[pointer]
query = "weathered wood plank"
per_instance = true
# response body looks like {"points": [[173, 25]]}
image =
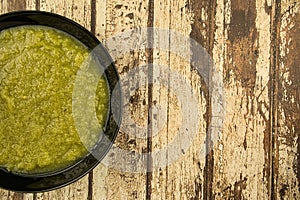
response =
{"points": [[204, 31], [79, 11], [183, 177], [5, 7], [117, 178], [7, 195], [157, 188], [31, 4], [287, 140], [242, 52], [76, 191]]}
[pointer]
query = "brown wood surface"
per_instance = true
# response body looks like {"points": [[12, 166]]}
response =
{"points": [[254, 48]]}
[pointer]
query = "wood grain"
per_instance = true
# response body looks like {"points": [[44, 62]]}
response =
{"points": [[182, 178], [115, 179], [287, 147], [241, 159], [204, 32]]}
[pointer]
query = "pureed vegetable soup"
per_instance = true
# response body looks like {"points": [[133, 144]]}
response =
{"points": [[39, 66]]}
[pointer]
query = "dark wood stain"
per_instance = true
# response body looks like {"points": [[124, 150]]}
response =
{"points": [[150, 59], [18, 196], [239, 186], [135, 98], [201, 36], [16, 5], [196, 34], [130, 15], [268, 8], [282, 191], [93, 16], [90, 186], [289, 93], [241, 59], [118, 6], [93, 30], [267, 154], [289, 100], [243, 43], [37, 4], [198, 189], [271, 151], [198, 25], [203, 33], [226, 192]]}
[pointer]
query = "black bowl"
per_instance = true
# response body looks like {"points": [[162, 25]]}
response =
{"points": [[57, 179]]}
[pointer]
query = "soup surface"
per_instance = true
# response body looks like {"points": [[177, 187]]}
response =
{"points": [[39, 67]]}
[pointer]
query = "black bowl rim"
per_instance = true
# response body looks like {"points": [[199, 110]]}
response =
{"points": [[32, 179]]}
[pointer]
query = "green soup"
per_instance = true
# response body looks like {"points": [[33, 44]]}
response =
{"points": [[38, 70]]}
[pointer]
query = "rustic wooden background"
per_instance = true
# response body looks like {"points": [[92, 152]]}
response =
{"points": [[254, 46]]}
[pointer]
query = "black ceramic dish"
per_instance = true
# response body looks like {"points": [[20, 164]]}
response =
{"points": [[57, 179]]}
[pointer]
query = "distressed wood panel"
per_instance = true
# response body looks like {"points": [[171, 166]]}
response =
{"points": [[7, 195], [287, 138], [77, 10], [116, 179], [203, 31], [182, 178], [242, 53]]}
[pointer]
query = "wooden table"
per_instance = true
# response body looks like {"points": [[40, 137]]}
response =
{"points": [[254, 47]]}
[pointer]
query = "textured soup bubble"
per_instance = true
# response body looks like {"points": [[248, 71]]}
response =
{"points": [[38, 67]]}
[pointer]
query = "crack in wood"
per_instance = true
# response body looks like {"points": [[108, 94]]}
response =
{"points": [[37, 4], [274, 73], [149, 52]]}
